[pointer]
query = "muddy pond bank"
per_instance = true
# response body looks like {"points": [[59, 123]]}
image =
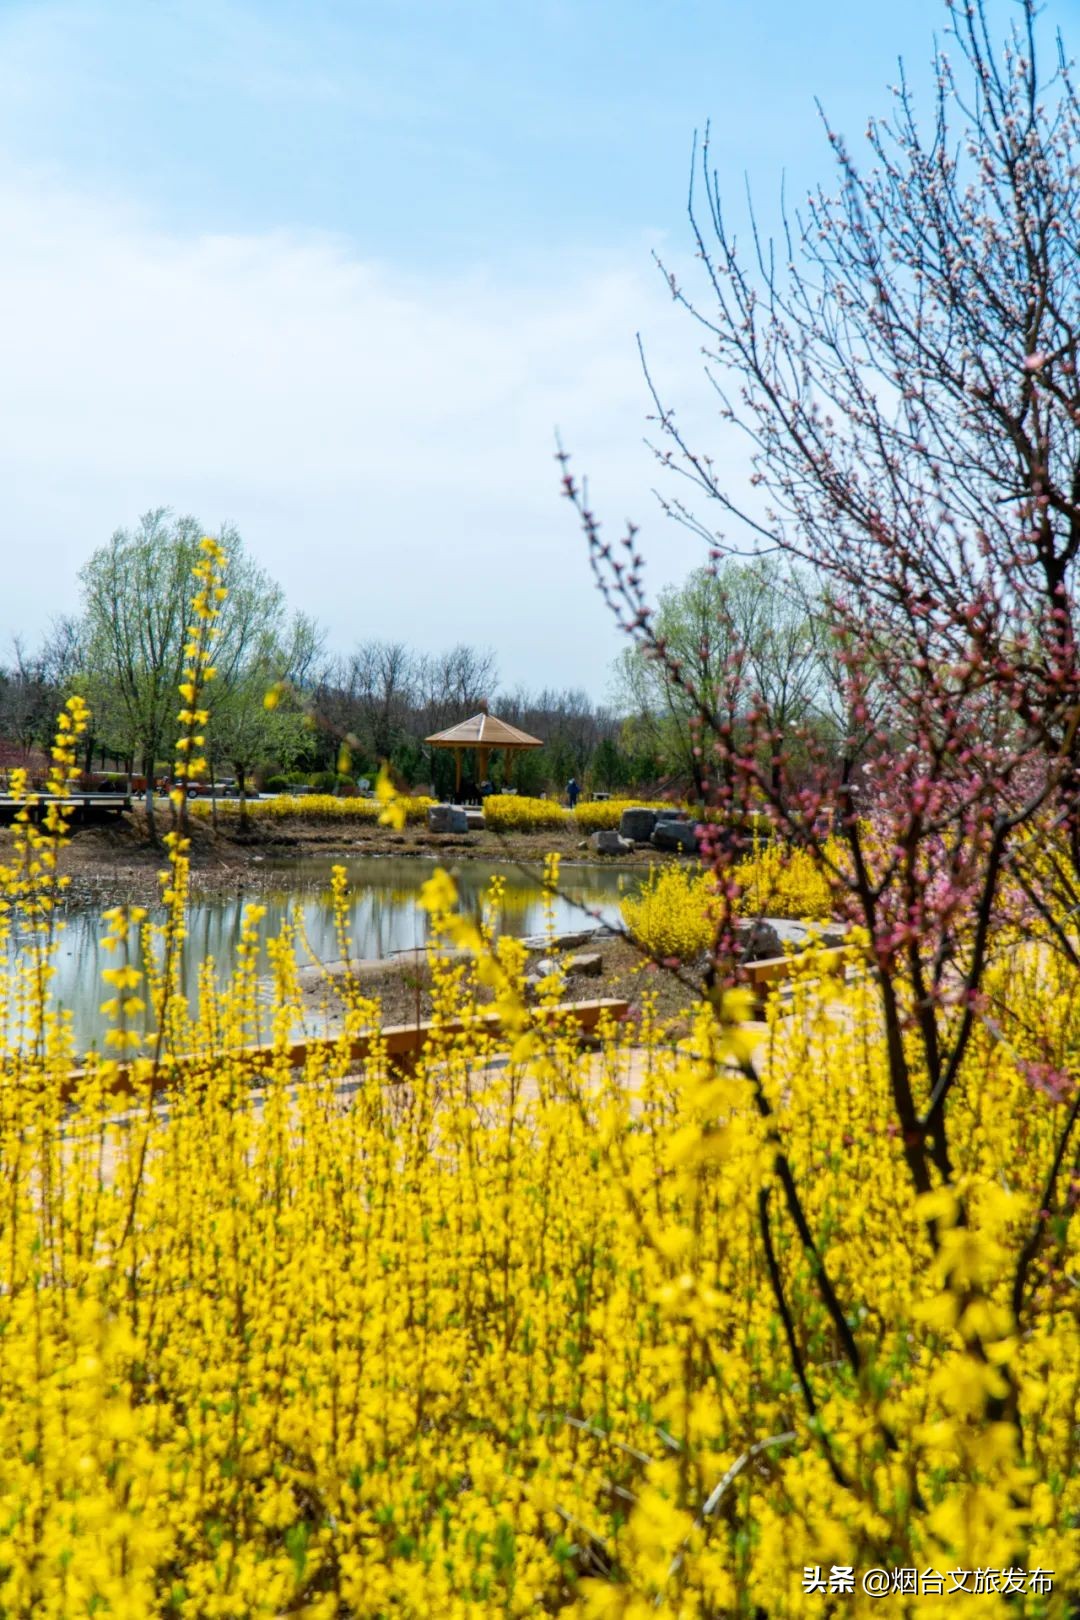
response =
{"points": [[294, 890], [117, 864]]}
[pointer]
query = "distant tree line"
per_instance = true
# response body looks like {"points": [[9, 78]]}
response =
{"points": [[334, 717]]}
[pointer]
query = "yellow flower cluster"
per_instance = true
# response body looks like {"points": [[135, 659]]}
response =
{"points": [[503, 1339], [511, 812], [603, 814], [31, 888], [193, 717], [781, 881], [502, 812], [314, 807], [674, 913], [651, 1324]]}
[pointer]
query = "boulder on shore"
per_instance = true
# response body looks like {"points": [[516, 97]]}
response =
{"points": [[447, 818], [589, 963], [761, 942], [637, 824], [791, 935], [679, 835], [559, 942], [609, 842]]}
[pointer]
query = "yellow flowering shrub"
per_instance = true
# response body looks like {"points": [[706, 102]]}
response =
{"points": [[602, 814], [503, 812], [504, 1339], [652, 1324], [782, 881], [512, 812], [674, 913], [314, 807]]}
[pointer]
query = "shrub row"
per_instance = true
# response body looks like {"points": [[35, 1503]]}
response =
{"points": [[311, 806]]}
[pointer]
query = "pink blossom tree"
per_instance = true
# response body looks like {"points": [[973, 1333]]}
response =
{"points": [[903, 369]]}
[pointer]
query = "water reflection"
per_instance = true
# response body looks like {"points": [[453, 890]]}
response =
{"points": [[384, 917]]}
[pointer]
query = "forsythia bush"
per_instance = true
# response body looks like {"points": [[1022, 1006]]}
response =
{"points": [[505, 813], [782, 881], [512, 813], [504, 1340], [674, 912], [534, 1331], [312, 806], [603, 814]]}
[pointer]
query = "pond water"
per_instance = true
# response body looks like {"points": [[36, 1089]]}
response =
{"points": [[383, 913]]}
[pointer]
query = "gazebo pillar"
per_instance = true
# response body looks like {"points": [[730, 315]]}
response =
{"points": [[482, 763]]}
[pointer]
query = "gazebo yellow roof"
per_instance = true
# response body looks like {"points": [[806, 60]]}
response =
{"points": [[484, 731]]}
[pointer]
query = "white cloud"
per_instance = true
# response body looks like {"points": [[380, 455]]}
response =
{"points": [[383, 442]]}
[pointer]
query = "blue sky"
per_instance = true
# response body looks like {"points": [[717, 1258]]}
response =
{"points": [[336, 271]]}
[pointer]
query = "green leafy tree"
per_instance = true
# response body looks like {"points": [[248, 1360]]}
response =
{"points": [[247, 727], [136, 616], [743, 638], [136, 594]]}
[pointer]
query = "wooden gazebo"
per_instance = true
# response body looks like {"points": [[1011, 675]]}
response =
{"points": [[483, 732]]}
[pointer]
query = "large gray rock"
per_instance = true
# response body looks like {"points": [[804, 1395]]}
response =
{"points": [[637, 824], [589, 963], [559, 942], [675, 835], [610, 843], [475, 819], [761, 942], [414, 957], [447, 818], [790, 935]]}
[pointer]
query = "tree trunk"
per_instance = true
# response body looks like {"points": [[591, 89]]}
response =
{"points": [[148, 772], [241, 788]]}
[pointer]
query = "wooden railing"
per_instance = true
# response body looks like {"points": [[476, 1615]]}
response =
{"points": [[402, 1044]]}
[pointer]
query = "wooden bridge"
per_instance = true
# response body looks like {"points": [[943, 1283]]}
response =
{"points": [[86, 806]]}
